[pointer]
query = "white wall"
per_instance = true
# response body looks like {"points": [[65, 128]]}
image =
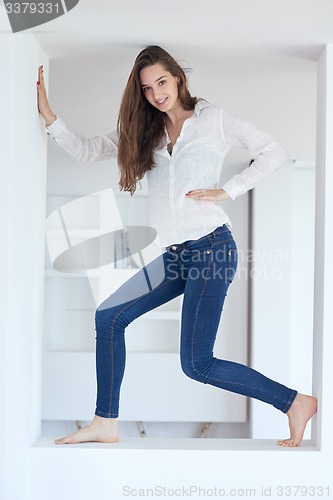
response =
{"points": [[97, 471], [323, 292], [282, 289], [5, 98], [23, 183], [302, 286]]}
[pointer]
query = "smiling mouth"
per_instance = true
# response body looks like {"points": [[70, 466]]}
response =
{"points": [[161, 102]]}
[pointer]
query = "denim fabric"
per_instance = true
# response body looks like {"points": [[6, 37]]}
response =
{"points": [[202, 270]]}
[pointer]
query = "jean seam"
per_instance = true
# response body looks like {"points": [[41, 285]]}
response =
{"points": [[244, 385], [290, 401], [195, 320], [219, 232], [220, 242], [210, 236], [106, 414]]}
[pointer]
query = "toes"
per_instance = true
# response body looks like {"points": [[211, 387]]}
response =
{"points": [[287, 443], [61, 441]]}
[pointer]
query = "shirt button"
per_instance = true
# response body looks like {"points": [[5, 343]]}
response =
{"points": [[208, 251], [174, 247]]}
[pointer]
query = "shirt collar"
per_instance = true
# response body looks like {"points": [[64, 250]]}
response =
{"points": [[199, 106]]}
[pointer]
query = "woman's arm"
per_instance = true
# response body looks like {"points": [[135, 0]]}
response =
{"points": [[82, 148], [267, 153]]}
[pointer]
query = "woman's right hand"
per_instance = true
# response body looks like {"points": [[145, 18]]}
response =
{"points": [[43, 103]]}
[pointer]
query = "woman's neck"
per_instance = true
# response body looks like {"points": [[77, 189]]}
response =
{"points": [[177, 115]]}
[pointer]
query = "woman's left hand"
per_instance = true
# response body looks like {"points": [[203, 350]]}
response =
{"points": [[208, 194]]}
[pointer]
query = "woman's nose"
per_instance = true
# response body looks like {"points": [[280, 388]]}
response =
{"points": [[157, 94]]}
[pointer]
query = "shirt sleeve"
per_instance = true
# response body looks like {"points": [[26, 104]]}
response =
{"points": [[267, 153], [82, 148]]}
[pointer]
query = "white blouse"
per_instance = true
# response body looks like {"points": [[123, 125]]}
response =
{"points": [[196, 163]]}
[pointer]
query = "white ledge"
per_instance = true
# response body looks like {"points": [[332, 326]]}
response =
{"points": [[178, 444]]}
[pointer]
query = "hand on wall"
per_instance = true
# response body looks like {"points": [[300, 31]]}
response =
{"points": [[43, 103]]}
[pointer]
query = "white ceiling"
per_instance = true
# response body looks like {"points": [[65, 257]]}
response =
{"points": [[296, 27]]}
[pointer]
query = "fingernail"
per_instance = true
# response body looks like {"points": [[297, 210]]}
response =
{"points": [[38, 83]]}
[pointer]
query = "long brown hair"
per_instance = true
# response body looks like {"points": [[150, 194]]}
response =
{"points": [[141, 125]]}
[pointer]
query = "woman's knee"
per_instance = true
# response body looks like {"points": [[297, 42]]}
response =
{"points": [[108, 318], [196, 370]]}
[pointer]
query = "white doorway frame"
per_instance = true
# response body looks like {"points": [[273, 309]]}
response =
{"points": [[37, 461]]}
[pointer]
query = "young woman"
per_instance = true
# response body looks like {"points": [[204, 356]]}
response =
{"points": [[180, 142]]}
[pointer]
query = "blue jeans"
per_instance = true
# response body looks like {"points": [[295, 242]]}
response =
{"points": [[202, 270]]}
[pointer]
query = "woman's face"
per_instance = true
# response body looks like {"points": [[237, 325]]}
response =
{"points": [[159, 87]]}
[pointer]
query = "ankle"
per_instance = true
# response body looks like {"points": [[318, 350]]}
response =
{"points": [[104, 420]]}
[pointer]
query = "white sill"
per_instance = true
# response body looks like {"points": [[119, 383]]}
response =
{"points": [[178, 444]]}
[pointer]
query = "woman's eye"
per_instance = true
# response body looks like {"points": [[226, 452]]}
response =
{"points": [[145, 89], [162, 82]]}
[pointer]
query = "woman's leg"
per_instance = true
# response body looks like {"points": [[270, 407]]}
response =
{"points": [[155, 284], [209, 270]]}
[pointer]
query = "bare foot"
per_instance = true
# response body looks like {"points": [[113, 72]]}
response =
{"points": [[100, 430], [300, 412]]}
